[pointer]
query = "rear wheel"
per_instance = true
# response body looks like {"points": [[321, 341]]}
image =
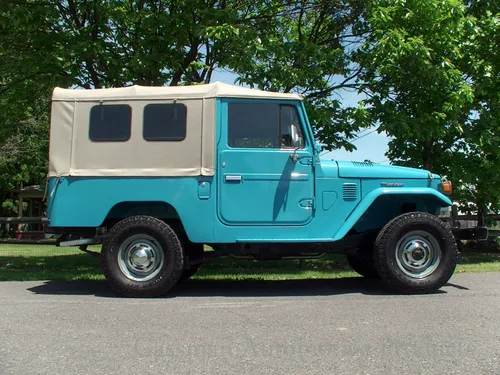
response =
{"points": [[415, 253], [142, 257]]}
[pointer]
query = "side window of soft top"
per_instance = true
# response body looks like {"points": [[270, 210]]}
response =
{"points": [[164, 122], [110, 123]]}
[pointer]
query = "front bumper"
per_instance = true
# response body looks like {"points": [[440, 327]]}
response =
{"points": [[471, 234]]}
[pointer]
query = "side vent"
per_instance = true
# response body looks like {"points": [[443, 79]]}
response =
{"points": [[365, 163], [350, 192]]}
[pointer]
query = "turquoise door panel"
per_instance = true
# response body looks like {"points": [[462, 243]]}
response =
{"points": [[263, 186]]}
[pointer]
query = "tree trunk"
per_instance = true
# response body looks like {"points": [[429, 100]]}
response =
{"points": [[480, 215], [427, 155]]}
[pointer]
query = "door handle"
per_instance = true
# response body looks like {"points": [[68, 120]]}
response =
{"points": [[233, 178]]}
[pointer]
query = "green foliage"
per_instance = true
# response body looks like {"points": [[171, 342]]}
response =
{"points": [[307, 51], [274, 44], [114, 43], [23, 152], [153, 42], [478, 152], [430, 71]]}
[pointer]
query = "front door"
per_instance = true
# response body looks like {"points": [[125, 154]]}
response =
{"points": [[265, 169]]}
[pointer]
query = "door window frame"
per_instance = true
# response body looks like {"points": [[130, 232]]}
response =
{"points": [[299, 107]]}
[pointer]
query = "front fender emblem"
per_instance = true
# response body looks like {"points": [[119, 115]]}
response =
{"points": [[392, 184]]}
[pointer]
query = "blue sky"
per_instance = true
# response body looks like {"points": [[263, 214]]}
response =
{"points": [[372, 146]]}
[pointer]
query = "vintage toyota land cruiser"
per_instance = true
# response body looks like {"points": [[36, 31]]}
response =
{"points": [[155, 173]]}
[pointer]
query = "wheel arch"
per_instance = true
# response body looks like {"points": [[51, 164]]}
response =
{"points": [[382, 205], [125, 209], [183, 218], [149, 208]]}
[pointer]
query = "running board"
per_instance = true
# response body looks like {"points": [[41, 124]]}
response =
{"points": [[79, 242]]}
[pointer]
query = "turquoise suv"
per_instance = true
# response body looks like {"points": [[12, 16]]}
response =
{"points": [[156, 173]]}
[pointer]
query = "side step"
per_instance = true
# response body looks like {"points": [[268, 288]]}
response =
{"points": [[69, 240], [79, 242]]}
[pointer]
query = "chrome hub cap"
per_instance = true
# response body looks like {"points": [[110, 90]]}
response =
{"points": [[418, 254], [140, 257]]}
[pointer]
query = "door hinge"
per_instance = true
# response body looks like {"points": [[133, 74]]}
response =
{"points": [[306, 160], [308, 203]]}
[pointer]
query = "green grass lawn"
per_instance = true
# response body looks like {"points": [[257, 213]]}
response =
{"points": [[22, 262]]}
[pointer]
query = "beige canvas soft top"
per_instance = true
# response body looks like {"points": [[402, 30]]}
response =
{"points": [[72, 153], [203, 91]]}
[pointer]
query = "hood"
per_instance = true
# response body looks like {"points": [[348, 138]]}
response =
{"points": [[355, 169]]}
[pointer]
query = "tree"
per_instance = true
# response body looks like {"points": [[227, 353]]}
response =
{"points": [[285, 45], [308, 51], [478, 151], [94, 44], [23, 157], [427, 69], [23, 141]]}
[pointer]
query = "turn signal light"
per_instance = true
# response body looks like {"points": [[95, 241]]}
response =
{"points": [[446, 188]]}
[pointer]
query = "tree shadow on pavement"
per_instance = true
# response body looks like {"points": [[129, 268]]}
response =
{"points": [[236, 288]]}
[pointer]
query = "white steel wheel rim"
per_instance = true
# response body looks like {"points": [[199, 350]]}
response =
{"points": [[140, 257], [418, 254]]}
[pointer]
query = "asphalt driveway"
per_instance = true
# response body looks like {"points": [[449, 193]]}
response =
{"points": [[346, 326]]}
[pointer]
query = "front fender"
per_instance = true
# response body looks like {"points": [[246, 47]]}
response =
{"points": [[367, 201]]}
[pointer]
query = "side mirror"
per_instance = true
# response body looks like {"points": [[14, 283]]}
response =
{"points": [[295, 135]]}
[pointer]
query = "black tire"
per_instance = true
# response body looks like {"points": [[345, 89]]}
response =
{"points": [[194, 251], [163, 242], [187, 273], [362, 263], [425, 234]]}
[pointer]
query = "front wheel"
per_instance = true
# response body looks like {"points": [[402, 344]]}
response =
{"points": [[142, 257], [415, 253]]}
